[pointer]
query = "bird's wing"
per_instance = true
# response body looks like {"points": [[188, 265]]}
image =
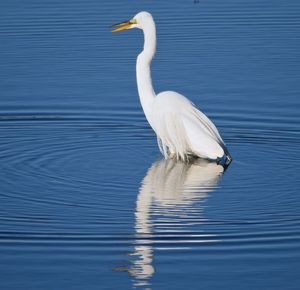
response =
{"points": [[209, 125], [183, 129], [214, 133], [202, 142]]}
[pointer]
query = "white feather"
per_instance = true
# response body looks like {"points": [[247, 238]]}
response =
{"points": [[181, 129]]}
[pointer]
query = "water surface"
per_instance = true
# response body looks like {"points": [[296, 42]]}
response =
{"points": [[86, 200]]}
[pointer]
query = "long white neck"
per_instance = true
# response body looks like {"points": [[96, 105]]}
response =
{"points": [[143, 72]]}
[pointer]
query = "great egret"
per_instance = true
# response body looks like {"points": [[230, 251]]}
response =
{"points": [[182, 130]]}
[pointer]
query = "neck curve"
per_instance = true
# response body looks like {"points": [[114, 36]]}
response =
{"points": [[143, 72]]}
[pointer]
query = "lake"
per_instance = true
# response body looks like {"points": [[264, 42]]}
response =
{"points": [[86, 199]]}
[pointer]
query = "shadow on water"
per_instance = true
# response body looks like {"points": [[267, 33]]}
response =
{"points": [[167, 206]]}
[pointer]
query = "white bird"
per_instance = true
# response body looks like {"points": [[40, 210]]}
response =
{"points": [[182, 130]]}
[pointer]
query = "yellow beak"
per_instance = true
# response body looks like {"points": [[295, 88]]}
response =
{"points": [[123, 25]]}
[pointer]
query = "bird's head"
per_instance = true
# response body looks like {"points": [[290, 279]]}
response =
{"points": [[140, 21]]}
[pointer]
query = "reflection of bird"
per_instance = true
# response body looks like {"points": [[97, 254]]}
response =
{"points": [[176, 183], [181, 129], [169, 195]]}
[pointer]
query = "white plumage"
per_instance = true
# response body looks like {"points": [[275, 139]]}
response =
{"points": [[182, 130]]}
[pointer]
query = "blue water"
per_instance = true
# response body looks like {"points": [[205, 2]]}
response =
{"points": [[86, 200]]}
